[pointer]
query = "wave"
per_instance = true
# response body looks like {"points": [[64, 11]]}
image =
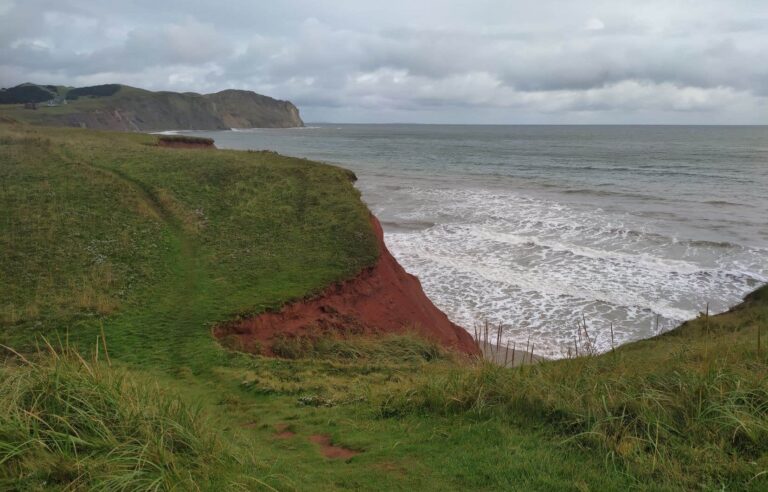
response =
{"points": [[638, 259], [263, 129], [723, 202], [408, 226], [606, 193], [535, 263], [564, 289]]}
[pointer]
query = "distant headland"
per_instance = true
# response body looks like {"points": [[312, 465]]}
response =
{"points": [[124, 108]]}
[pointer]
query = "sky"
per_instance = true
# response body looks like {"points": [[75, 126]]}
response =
{"points": [[414, 61]]}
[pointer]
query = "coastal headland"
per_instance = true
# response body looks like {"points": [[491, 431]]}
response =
{"points": [[120, 107]]}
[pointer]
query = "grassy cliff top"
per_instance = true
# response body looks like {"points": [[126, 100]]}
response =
{"points": [[159, 243]]}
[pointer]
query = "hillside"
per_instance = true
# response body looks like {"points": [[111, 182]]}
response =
{"points": [[133, 254], [123, 108]]}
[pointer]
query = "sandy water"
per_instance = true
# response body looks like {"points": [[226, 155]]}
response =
{"points": [[534, 227]]}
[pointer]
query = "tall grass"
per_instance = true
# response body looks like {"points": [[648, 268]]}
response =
{"points": [[688, 408], [68, 423]]}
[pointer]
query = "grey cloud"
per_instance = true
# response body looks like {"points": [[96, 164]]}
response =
{"points": [[554, 58]]}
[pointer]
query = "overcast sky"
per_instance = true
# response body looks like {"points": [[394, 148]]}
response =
{"points": [[477, 61]]}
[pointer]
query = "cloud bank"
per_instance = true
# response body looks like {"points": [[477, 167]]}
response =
{"points": [[486, 61]]}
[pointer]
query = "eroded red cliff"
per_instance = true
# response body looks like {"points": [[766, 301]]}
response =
{"points": [[381, 299]]}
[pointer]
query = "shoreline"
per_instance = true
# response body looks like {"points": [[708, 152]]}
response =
{"points": [[507, 356]]}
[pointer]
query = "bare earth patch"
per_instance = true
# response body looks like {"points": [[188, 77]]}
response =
{"points": [[331, 451], [282, 432]]}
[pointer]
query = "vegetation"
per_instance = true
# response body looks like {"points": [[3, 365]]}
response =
{"points": [[70, 423], [26, 93], [127, 253], [159, 243], [185, 139], [104, 90], [689, 407]]}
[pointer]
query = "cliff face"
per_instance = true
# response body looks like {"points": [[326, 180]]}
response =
{"points": [[245, 109], [382, 299], [124, 108]]}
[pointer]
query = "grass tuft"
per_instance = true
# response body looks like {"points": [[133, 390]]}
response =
{"points": [[68, 423]]}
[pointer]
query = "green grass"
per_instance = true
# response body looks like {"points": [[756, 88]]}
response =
{"points": [[70, 423], [688, 408], [158, 244], [106, 233]]}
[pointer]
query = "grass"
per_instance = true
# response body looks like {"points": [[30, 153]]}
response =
{"points": [[108, 236], [82, 425], [157, 244], [688, 408]]}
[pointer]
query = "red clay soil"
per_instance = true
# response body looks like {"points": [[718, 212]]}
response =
{"points": [[331, 451], [380, 300], [185, 145]]}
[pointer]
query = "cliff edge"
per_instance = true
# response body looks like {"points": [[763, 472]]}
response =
{"points": [[381, 299]]}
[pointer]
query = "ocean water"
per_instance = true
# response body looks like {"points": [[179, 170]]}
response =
{"points": [[538, 227]]}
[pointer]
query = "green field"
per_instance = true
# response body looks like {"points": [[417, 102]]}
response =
{"points": [[119, 256]]}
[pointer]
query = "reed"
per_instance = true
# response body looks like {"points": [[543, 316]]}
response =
{"points": [[613, 344]]}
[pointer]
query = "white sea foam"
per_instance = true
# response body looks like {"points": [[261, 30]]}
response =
{"points": [[538, 266]]}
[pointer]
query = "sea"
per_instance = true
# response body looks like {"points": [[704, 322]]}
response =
{"points": [[541, 229]]}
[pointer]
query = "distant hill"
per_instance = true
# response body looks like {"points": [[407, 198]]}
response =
{"points": [[125, 108]]}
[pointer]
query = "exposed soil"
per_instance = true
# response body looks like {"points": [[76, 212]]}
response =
{"points": [[331, 451], [282, 432], [381, 299]]}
